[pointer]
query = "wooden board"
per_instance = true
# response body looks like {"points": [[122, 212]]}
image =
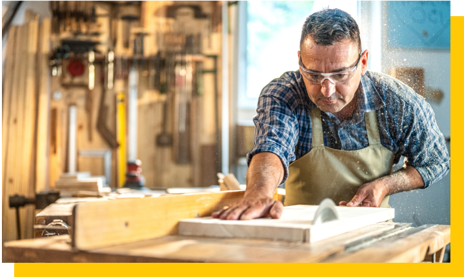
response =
{"points": [[294, 225], [199, 249], [43, 108], [129, 220], [10, 64]]}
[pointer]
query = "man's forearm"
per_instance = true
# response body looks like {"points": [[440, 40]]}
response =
{"points": [[371, 194], [264, 174], [403, 180]]}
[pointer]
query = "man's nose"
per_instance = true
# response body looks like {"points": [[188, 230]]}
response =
{"points": [[327, 88]]}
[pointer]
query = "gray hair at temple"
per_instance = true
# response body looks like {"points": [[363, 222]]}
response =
{"points": [[329, 26]]}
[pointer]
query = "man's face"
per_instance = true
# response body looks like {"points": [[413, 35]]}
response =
{"points": [[329, 96]]}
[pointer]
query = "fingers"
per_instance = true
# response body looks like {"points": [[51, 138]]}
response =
{"points": [[342, 203], [235, 212], [273, 209], [230, 213], [356, 201], [217, 214], [276, 210], [247, 210]]}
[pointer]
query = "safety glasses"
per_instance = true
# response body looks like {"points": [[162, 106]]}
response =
{"points": [[334, 77]]}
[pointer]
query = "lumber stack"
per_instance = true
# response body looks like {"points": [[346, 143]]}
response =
{"points": [[25, 80], [70, 183]]}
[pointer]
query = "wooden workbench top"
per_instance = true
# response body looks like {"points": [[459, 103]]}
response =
{"points": [[403, 244]]}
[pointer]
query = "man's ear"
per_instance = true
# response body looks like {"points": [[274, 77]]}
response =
{"points": [[364, 59]]}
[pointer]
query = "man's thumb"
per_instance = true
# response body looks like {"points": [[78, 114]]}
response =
{"points": [[357, 199]]}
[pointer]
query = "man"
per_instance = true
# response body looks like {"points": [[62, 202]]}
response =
{"points": [[333, 129]]}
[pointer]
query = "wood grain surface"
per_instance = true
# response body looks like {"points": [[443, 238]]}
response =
{"points": [[175, 248], [129, 220]]}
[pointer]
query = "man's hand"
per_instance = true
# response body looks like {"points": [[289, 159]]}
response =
{"points": [[368, 195], [371, 194], [264, 175], [250, 207]]}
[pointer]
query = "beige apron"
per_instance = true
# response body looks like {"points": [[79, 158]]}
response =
{"points": [[331, 173]]}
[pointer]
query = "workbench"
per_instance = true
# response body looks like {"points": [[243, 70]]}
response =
{"points": [[381, 242]]}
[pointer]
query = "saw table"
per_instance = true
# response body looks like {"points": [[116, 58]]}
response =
{"points": [[113, 231]]}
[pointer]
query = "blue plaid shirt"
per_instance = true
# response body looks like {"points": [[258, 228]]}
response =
{"points": [[406, 122]]}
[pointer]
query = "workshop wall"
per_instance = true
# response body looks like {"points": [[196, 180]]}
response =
{"points": [[173, 48]]}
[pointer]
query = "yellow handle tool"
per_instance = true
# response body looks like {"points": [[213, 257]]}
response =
{"points": [[121, 136]]}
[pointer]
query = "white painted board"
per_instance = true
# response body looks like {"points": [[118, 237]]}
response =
{"points": [[295, 224]]}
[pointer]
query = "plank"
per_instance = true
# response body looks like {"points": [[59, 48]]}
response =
{"points": [[129, 220], [12, 162], [28, 168], [55, 211], [295, 224], [8, 225], [90, 184], [43, 108]]}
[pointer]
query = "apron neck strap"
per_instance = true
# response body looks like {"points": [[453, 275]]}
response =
{"points": [[372, 127], [318, 139]]}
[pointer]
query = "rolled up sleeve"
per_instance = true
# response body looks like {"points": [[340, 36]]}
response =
{"points": [[276, 129], [424, 145]]}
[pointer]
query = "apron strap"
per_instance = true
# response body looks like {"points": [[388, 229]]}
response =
{"points": [[372, 127], [316, 123]]}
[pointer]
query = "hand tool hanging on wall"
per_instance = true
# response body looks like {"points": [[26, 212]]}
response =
{"points": [[88, 10], [216, 110], [89, 95], [121, 137], [85, 17], [55, 8], [181, 110], [74, 17], [102, 116], [164, 138], [133, 96], [72, 138], [130, 14], [110, 67], [62, 7], [56, 59]]}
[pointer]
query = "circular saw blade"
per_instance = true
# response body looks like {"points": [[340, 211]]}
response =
{"points": [[326, 212]]}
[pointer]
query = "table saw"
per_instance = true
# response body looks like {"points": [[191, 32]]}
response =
{"points": [[146, 230]]}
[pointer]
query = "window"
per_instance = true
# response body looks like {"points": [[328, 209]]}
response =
{"points": [[272, 32]]}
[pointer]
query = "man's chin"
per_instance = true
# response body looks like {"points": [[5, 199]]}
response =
{"points": [[329, 108]]}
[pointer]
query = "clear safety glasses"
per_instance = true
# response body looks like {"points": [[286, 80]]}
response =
{"points": [[334, 77]]}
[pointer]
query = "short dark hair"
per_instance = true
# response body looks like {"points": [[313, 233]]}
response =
{"points": [[329, 26]]}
